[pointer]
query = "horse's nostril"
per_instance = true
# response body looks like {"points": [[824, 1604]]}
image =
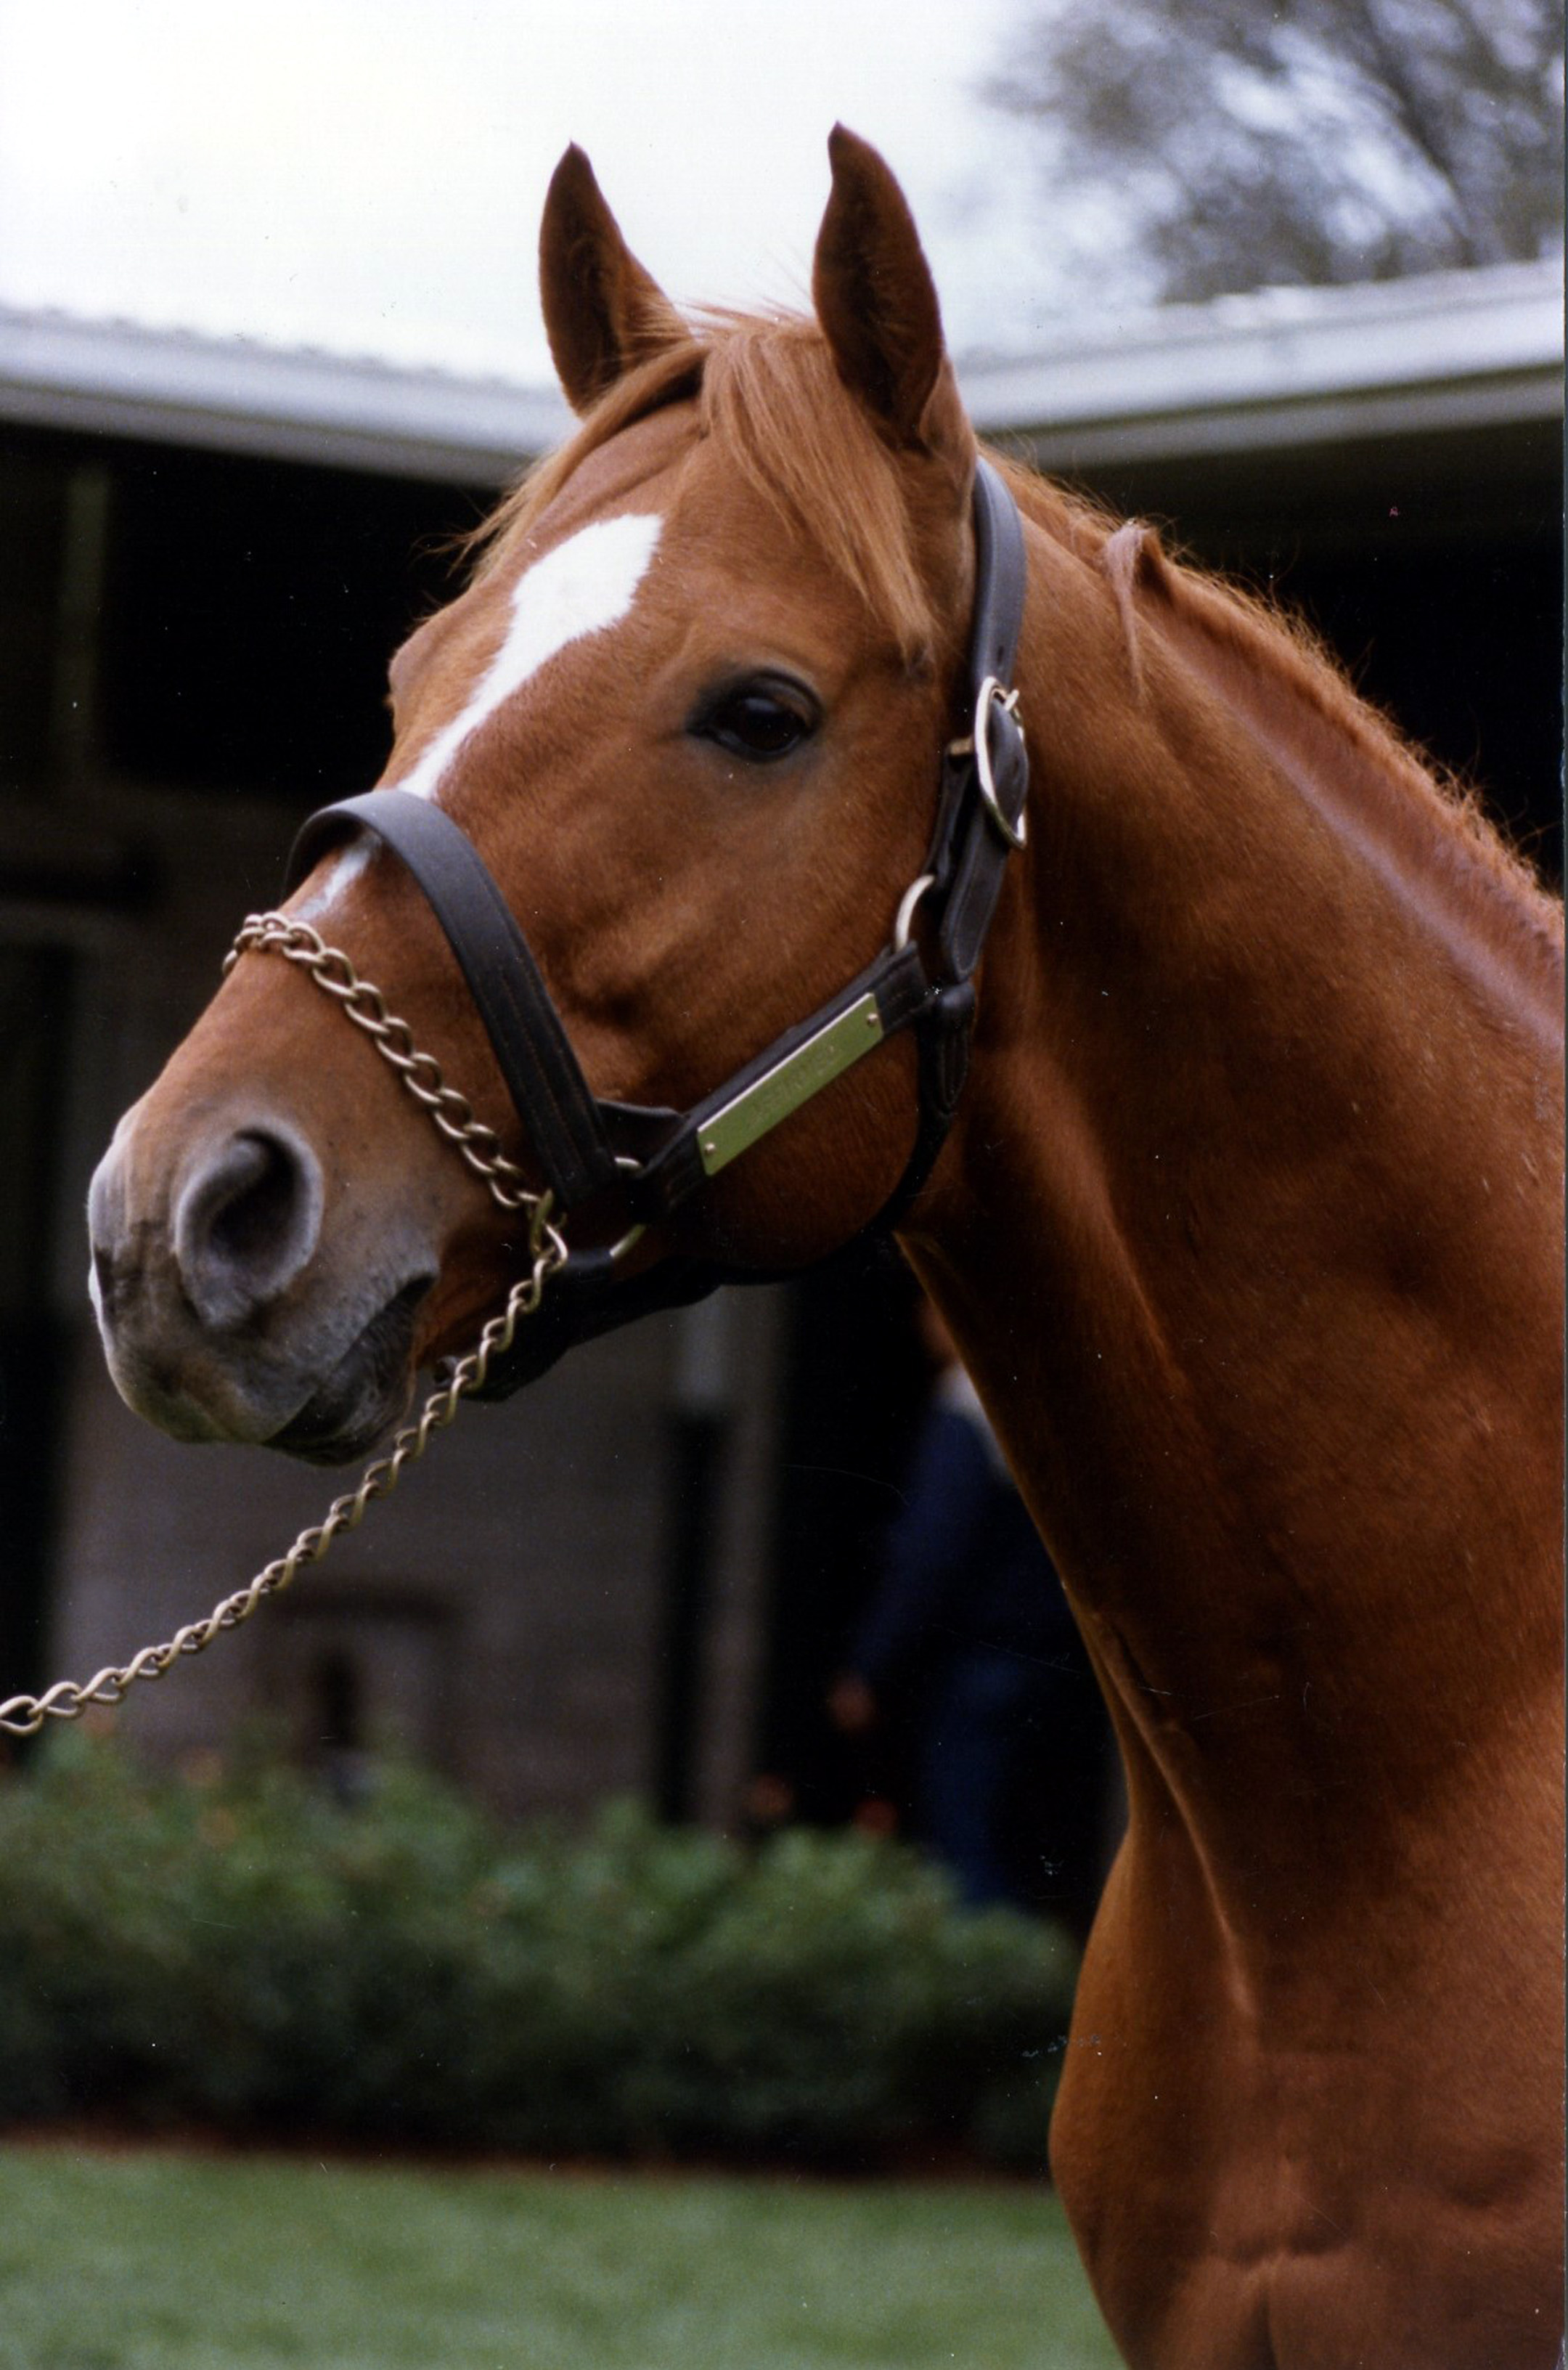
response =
{"points": [[245, 1227], [247, 1221]]}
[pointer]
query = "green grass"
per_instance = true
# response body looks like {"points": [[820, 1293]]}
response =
{"points": [[167, 2261]]}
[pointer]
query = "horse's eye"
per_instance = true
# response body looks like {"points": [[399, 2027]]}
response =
{"points": [[761, 720]]}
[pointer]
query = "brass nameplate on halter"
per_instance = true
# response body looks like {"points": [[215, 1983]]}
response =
{"points": [[759, 1107]]}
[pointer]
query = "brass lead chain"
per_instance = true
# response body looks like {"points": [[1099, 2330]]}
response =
{"points": [[365, 1006], [332, 971]]}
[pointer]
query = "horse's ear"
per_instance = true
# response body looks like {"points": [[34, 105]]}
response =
{"points": [[603, 311], [876, 301]]}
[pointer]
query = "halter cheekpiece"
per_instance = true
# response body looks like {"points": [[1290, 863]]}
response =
{"points": [[642, 1164]]}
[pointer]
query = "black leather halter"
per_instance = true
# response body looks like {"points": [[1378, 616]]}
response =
{"points": [[640, 1165]]}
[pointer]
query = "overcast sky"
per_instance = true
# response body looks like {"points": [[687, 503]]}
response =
{"points": [[366, 175]]}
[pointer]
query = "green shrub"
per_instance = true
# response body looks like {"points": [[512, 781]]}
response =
{"points": [[233, 1945]]}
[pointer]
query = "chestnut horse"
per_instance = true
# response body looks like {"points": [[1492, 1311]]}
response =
{"points": [[1248, 1225]]}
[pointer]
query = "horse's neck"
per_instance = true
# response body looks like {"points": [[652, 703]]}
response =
{"points": [[1249, 1233]]}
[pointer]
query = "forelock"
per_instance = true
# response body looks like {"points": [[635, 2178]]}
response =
{"points": [[768, 392]]}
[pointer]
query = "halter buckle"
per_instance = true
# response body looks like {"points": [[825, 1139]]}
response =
{"points": [[994, 695]]}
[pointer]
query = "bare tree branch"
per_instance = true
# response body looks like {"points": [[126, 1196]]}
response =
{"points": [[1336, 140]]}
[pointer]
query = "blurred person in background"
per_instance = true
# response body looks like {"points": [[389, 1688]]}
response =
{"points": [[970, 1644]]}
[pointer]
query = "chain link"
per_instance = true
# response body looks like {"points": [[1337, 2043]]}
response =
{"points": [[480, 1147], [421, 1073]]}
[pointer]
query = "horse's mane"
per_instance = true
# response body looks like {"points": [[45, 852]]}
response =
{"points": [[767, 385], [1434, 818]]}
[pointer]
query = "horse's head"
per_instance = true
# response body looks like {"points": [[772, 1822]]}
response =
{"points": [[691, 710]]}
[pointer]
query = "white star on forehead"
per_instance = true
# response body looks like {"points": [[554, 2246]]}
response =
{"points": [[584, 586]]}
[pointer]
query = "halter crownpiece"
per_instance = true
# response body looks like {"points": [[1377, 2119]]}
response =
{"points": [[646, 1162]]}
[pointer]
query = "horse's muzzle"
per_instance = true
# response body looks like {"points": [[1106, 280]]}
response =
{"points": [[228, 1313]]}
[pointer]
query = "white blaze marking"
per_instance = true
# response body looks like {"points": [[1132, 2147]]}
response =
{"points": [[580, 588], [349, 867], [586, 583]]}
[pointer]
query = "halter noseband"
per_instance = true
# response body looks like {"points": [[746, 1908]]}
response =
{"points": [[644, 1162]]}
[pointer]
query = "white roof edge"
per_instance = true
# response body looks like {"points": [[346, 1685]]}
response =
{"points": [[118, 378], [1287, 366], [1451, 350]]}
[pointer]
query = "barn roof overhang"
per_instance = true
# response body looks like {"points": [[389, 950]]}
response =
{"points": [[1262, 409], [237, 395], [1243, 396]]}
